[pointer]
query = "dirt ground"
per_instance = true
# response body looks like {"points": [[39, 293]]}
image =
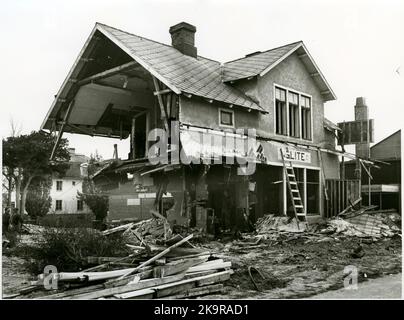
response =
{"points": [[291, 269], [296, 269]]}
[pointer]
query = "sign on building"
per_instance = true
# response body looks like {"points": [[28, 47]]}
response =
{"points": [[353, 132], [292, 154]]}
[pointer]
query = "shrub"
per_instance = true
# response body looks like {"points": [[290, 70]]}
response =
{"points": [[38, 200], [67, 248]]}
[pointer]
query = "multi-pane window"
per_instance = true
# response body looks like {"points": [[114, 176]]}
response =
{"points": [[226, 117], [79, 205], [293, 101], [306, 117], [58, 205], [292, 114], [59, 185], [280, 112]]}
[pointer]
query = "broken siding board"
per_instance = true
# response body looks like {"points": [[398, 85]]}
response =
{"points": [[161, 254], [128, 288], [140, 294], [174, 268], [172, 288]]}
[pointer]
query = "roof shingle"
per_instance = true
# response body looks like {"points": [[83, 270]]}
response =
{"points": [[253, 65], [201, 77]]}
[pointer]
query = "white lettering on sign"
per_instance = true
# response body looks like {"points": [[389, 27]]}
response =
{"points": [[291, 154]]}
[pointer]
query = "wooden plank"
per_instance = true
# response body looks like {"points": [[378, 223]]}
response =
{"points": [[123, 227], [161, 254], [161, 104], [60, 133], [108, 73], [72, 292], [177, 267], [204, 253], [142, 284], [139, 294], [198, 291], [176, 252], [108, 263], [212, 266], [121, 282], [175, 287]]}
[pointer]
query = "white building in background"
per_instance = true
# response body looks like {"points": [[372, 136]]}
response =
{"points": [[64, 189]]}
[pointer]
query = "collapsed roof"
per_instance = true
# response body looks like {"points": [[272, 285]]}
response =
{"points": [[118, 67]]}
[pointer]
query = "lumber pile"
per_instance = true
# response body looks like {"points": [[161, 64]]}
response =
{"points": [[150, 229], [176, 270]]}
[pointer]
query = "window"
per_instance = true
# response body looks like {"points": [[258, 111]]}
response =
{"points": [[293, 101], [79, 205], [292, 114], [58, 205], [226, 117], [73, 183], [59, 185], [306, 117], [280, 115]]}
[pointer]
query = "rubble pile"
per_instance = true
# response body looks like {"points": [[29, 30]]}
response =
{"points": [[365, 224], [270, 223], [160, 266]]}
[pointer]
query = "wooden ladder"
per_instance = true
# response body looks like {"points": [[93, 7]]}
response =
{"points": [[294, 192]]}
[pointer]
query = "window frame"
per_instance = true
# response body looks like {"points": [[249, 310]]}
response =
{"points": [[61, 185], [300, 94], [283, 120], [56, 205], [232, 117], [310, 110], [80, 207]]}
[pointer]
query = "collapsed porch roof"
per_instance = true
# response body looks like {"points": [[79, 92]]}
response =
{"points": [[110, 57]]}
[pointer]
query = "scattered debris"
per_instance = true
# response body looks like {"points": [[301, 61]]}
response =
{"points": [[173, 271]]}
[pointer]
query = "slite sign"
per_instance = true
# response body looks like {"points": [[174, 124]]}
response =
{"points": [[291, 154]]}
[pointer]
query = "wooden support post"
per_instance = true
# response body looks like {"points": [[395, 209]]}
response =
{"points": [[133, 138], [60, 133], [161, 104]]}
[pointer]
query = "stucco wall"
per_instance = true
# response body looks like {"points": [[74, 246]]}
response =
{"points": [[199, 112], [290, 73], [68, 195]]}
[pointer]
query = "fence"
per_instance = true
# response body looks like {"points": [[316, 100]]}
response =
{"points": [[340, 192]]}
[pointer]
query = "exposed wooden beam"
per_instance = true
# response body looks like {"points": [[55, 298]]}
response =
{"points": [[325, 92], [302, 55], [161, 104], [314, 74], [162, 92], [60, 133], [108, 73]]}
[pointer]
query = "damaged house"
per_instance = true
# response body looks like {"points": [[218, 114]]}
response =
{"points": [[124, 86]]}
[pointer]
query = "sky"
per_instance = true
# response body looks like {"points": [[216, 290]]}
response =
{"points": [[358, 46]]}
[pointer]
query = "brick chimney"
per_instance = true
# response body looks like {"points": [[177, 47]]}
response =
{"points": [[183, 38], [362, 113]]}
